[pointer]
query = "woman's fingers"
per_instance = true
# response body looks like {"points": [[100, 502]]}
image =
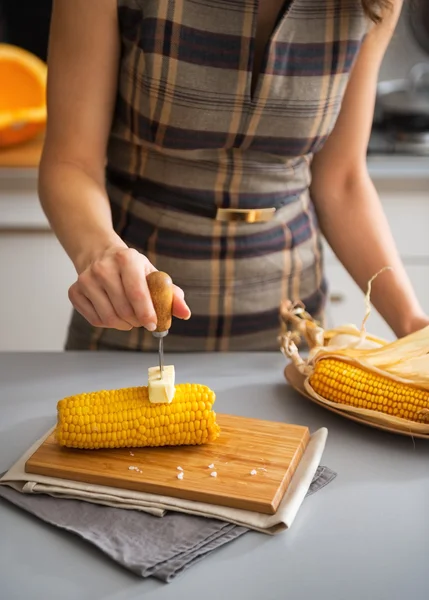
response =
{"points": [[134, 268], [180, 309], [89, 287], [109, 279], [84, 306]]}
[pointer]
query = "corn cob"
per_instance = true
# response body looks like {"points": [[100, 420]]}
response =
{"points": [[351, 385], [126, 418]]}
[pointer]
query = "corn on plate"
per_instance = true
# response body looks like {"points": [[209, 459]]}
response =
{"points": [[359, 374]]}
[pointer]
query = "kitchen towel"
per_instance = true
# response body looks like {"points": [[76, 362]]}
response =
{"points": [[29, 483], [142, 543]]}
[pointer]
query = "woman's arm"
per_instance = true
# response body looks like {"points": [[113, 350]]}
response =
{"points": [[82, 67], [349, 210], [83, 60]]}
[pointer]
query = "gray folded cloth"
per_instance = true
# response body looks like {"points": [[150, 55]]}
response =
{"points": [[147, 545]]}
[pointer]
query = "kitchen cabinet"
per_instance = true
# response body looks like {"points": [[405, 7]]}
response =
{"points": [[35, 272]]}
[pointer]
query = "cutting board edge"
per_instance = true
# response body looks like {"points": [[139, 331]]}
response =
{"points": [[268, 507], [288, 476]]}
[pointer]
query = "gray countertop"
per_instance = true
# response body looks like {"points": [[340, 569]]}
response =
{"points": [[363, 537]]}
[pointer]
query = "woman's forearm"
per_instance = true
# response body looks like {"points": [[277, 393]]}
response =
{"points": [[354, 224], [111, 289], [78, 211]]}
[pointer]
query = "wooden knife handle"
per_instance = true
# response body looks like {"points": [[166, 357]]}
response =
{"points": [[160, 287]]}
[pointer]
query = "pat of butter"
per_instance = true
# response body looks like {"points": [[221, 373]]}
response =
{"points": [[161, 389]]}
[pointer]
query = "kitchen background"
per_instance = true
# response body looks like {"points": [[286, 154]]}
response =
{"points": [[35, 273]]}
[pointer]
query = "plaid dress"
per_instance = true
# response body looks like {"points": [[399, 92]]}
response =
{"points": [[189, 137]]}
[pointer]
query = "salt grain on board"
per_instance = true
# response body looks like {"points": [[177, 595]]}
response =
{"points": [[213, 474], [253, 472], [180, 475]]}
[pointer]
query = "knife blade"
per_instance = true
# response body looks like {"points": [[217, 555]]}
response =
{"points": [[160, 287]]}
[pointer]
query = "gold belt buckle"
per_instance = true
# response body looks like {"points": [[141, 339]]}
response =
{"points": [[245, 215]]}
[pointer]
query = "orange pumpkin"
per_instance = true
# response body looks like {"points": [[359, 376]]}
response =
{"points": [[23, 79]]}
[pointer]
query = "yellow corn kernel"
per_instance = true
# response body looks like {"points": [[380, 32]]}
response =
{"points": [[135, 421], [365, 389]]}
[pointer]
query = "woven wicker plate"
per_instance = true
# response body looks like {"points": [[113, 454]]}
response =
{"points": [[296, 380]]}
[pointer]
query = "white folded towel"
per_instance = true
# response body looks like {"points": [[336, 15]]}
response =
{"points": [[29, 483]]}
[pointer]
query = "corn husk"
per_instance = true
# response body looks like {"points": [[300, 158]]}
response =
{"points": [[405, 360]]}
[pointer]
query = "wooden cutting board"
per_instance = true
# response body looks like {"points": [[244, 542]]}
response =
{"points": [[272, 449]]}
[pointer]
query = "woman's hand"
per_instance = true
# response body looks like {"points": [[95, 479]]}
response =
{"points": [[112, 291]]}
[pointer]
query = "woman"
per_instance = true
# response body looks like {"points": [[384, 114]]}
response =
{"points": [[216, 140]]}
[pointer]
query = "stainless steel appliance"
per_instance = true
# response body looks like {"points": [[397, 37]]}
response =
{"points": [[401, 120]]}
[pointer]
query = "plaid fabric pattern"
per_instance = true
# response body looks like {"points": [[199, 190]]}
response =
{"points": [[189, 136]]}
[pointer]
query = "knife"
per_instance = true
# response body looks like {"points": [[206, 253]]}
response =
{"points": [[160, 287]]}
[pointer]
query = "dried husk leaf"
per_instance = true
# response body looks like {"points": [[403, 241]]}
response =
{"points": [[405, 359], [346, 340], [349, 336], [303, 325], [367, 299]]}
